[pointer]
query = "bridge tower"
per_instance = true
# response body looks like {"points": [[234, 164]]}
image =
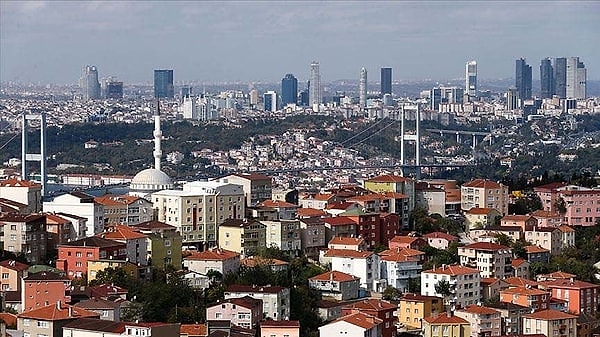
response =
{"points": [[411, 137], [41, 156]]}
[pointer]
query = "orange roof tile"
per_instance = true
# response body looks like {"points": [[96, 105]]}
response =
{"points": [[488, 280], [518, 262], [334, 275], [535, 249], [404, 239], [479, 310], [277, 204], [485, 246], [524, 291], [310, 212], [323, 196], [440, 235], [482, 183], [372, 304], [120, 232], [213, 255], [444, 318], [565, 229], [549, 315], [257, 261], [361, 320], [193, 330], [56, 220], [116, 200], [558, 275], [401, 254], [520, 282], [480, 211], [569, 284], [339, 221], [14, 265], [395, 195], [14, 182], [341, 240], [453, 269], [54, 313], [545, 214], [347, 253]]}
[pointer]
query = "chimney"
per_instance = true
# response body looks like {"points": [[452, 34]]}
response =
{"points": [[58, 305]]}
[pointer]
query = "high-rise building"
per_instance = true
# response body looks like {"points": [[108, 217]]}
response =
{"points": [[362, 88], [546, 78], [445, 95], [90, 86], [314, 91], [560, 77], [186, 91], [289, 90], [512, 99], [523, 79], [163, 83], [471, 79], [114, 90], [270, 101], [386, 81], [576, 78]]}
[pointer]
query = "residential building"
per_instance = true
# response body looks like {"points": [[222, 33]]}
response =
{"points": [[403, 241], [480, 218], [9, 206], [376, 308], [11, 274], [59, 230], [368, 226], [568, 236], [549, 238], [195, 280], [482, 193], [527, 296], [413, 308], [357, 324], [270, 328], [96, 266], [317, 201], [221, 260], [78, 224], [511, 314], [94, 327], [520, 268], [514, 220], [315, 92], [256, 261], [336, 284], [276, 300], [351, 243], [79, 204], [393, 183], [44, 288], [464, 283], [491, 259], [490, 233], [551, 323], [557, 275], [440, 240], [490, 288], [125, 209], [537, 254], [163, 244], [484, 321], [256, 187], [312, 236], [50, 320], [430, 198], [581, 297], [339, 226], [199, 209], [73, 256], [285, 210], [364, 265], [547, 218], [245, 312], [23, 191], [245, 236], [578, 206], [25, 234], [446, 325], [135, 242], [193, 330], [398, 268], [108, 310], [284, 234]]}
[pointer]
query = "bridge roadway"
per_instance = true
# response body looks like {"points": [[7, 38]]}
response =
{"points": [[349, 167], [459, 132]]}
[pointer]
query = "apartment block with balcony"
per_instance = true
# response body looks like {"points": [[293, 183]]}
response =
{"points": [[246, 237], [257, 187], [284, 234], [125, 209], [25, 234], [485, 322], [552, 323], [413, 308], [482, 193], [464, 283], [491, 259], [578, 206]]}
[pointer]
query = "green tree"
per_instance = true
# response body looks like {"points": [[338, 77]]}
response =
{"points": [[504, 239], [391, 294], [518, 249], [115, 276], [444, 289]]}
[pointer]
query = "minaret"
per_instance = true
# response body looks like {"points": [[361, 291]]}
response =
{"points": [[157, 136]]}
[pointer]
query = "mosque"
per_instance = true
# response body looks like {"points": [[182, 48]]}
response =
{"points": [[152, 180]]}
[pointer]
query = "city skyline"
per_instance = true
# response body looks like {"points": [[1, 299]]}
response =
{"points": [[216, 41]]}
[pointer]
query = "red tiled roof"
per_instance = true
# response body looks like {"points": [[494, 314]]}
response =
{"points": [[116, 200], [364, 321], [545, 214], [9, 319], [372, 304], [334, 275], [388, 178], [516, 217], [193, 330], [569, 284], [53, 313], [480, 211], [482, 183], [549, 315], [277, 204], [339, 221], [549, 187], [308, 212], [565, 229], [443, 318], [341, 205], [558, 275], [14, 182], [213, 255], [488, 280], [341, 240], [517, 262], [524, 291], [258, 261], [323, 196], [520, 282], [404, 239], [280, 324], [419, 297], [440, 235], [479, 310], [120, 232], [535, 249], [395, 195], [14, 265], [347, 253]]}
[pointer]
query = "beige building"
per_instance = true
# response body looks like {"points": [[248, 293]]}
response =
{"points": [[223, 261], [482, 193], [25, 234], [199, 209], [284, 234], [492, 260], [164, 244], [464, 283], [257, 187], [125, 209], [246, 237], [12, 272], [480, 218], [484, 321], [446, 325], [550, 238], [552, 323], [24, 192], [414, 307], [49, 320]]}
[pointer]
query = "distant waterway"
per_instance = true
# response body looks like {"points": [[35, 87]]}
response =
{"points": [[53, 190]]}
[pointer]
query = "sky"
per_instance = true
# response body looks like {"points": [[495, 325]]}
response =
{"points": [[228, 41]]}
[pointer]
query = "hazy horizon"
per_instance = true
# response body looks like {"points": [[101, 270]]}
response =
{"points": [[261, 41]]}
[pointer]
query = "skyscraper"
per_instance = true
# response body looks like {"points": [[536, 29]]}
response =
{"points": [[386, 81], [314, 91], [362, 88], [471, 79], [560, 77], [576, 78], [90, 86], [523, 79], [163, 83], [114, 90], [270, 101], [289, 90], [546, 78]]}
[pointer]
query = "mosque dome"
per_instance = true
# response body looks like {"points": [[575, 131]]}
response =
{"points": [[149, 181]]}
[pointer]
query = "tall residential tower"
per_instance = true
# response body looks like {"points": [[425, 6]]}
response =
{"points": [[362, 88], [546, 78], [471, 79], [314, 91], [386, 81], [90, 86], [523, 79], [163, 83]]}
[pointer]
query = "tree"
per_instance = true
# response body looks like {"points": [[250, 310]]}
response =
{"points": [[518, 249], [391, 294], [115, 276], [560, 205], [504, 239], [444, 289]]}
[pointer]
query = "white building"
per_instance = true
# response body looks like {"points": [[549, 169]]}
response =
{"points": [[22, 191], [223, 261], [284, 234], [276, 300], [364, 265], [491, 259], [464, 284], [357, 324], [79, 204], [398, 269]]}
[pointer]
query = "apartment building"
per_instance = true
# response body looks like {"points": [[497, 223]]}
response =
{"points": [[482, 193], [491, 259], [245, 236], [79, 204], [485, 322], [413, 308], [25, 234], [125, 209], [256, 187], [464, 283]]}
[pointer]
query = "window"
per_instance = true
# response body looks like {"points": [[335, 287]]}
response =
{"points": [[78, 264], [218, 315], [26, 322], [4, 276], [78, 254], [42, 324]]}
